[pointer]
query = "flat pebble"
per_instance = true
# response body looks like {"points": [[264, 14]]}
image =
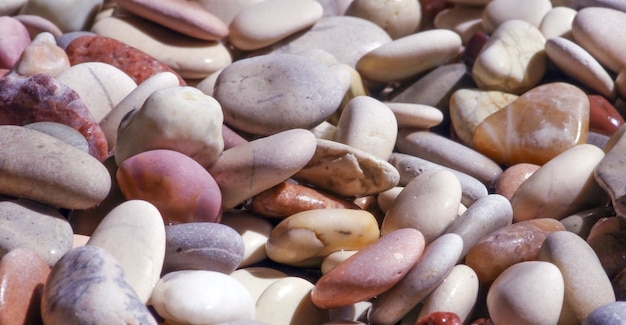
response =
{"points": [[288, 301], [527, 293], [271, 93], [305, 238], [357, 280], [133, 233], [202, 246], [254, 231], [180, 188], [499, 11], [558, 22], [68, 15], [13, 44], [77, 284], [218, 298], [42, 56], [587, 286], [595, 29], [609, 314]]}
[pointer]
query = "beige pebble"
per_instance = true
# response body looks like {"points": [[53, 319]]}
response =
{"points": [[101, 86], [335, 258], [288, 301], [324, 130], [429, 203], [507, 63], [562, 186], [79, 240], [42, 56], [410, 55], [500, 11], [305, 238], [587, 286], [254, 231], [558, 22], [68, 15], [597, 30], [369, 125], [257, 279], [397, 18], [11, 7], [415, 115], [226, 10], [264, 23], [527, 293], [464, 20], [511, 178], [347, 171], [387, 198], [476, 3]]}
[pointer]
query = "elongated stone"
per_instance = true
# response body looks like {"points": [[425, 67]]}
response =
{"points": [[536, 127], [596, 29]]}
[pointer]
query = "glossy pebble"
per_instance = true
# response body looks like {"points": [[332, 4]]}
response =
{"points": [[133, 233], [157, 176], [498, 12], [218, 298], [597, 35], [288, 301], [42, 56], [603, 116], [100, 276]]}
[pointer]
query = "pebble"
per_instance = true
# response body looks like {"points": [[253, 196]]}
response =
{"points": [[250, 28], [180, 188], [334, 259], [22, 276], [188, 18], [37, 25], [429, 203], [77, 284], [536, 127], [513, 177], [397, 18], [507, 64], [68, 15], [558, 22], [439, 317], [11, 7], [587, 286], [581, 222], [518, 242], [607, 176], [14, 42], [217, 298], [256, 279], [595, 29], [226, 11], [254, 232], [609, 314], [133, 234], [354, 172], [603, 116], [410, 115], [180, 118], [427, 274], [305, 238], [463, 20], [251, 168], [357, 280], [202, 246], [61, 132], [369, 125], [498, 12], [288, 301], [410, 55], [527, 293], [267, 94], [42, 56], [604, 239], [541, 197]]}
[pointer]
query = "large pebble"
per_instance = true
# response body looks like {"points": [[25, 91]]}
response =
{"points": [[587, 286], [258, 278], [254, 231], [276, 92], [73, 179], [305, 238], [42, 56], [68, 15], [356, 279], [347, 171], [61, 132], [217, 298], [79, 282], [536, 127], [527, 293], [508, 64], [430, 270], [133, 233], [558, 22], [15, 39], [180, 118], [499, 11], [202, 246], [429, 203], [251, 168], [288, 301], [267, 22], [464, 20], [597, 30], [410, 55], [180, 188], [513, 177], [561, 187]]}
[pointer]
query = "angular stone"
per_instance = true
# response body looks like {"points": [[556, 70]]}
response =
{"points": [[610, 179], [536, 127], [597, 30], [42, 56]]}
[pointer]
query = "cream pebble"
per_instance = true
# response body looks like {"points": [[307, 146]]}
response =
{"points": [[217, 298], [595, 29], [254, 231], [334, 259], [500, 11], [464, 20], [508, 64], [68, 15], [369, 125], [264, 23], [558, 23], [581, 222], [415, 115], [42, 56], [527, 293], [410, 55], [180, 118], [257, 279], [226, 10], [428, 203], [288, 301], [133, 233], [397, 18], [305, 238]]}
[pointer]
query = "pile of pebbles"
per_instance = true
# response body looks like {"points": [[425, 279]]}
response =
{"points": [[312, 162]]}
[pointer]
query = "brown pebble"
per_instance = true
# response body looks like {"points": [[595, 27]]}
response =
{"points": [[512, 177]]}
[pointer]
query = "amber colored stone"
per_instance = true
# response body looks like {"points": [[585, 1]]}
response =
{"points": [[511, 178], [603, 117], [509, 245], [539, 125], [22, 277], [287, 198], [134, 62], [440, 318]]}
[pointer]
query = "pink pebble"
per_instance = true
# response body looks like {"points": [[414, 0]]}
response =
{"points": [[14, 38]]}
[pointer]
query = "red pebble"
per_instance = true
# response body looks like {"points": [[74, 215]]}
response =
{"points": [[134, 62], [473, 48], [440, 318], [603, 117]]}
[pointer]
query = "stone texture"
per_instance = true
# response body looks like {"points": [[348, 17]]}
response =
{"points": [[497, 12], [609, 314], [254, 231], [603, 116], [42, 56], [595, 29], [62, 132], [512, 177], [13, 44], [288, 301], [68, 15]]}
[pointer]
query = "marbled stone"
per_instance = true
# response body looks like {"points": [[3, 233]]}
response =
{"points": [[42, 56], [68, 15], [79, 282], [536, 127], [305, 238], [288, 301], [356, 279], [202, 246], [13, 44], [512, 177], [596, 30], [254, 231], [180, 188], [457, 294]]}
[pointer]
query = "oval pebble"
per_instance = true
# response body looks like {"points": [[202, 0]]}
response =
{"points": [[288, 301], [499, 11], [217, 298], [512, 178], [68, 15], [257, 279], [333, 259], [463, 20], [415, 115], [61, 132], [558, 22]]}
